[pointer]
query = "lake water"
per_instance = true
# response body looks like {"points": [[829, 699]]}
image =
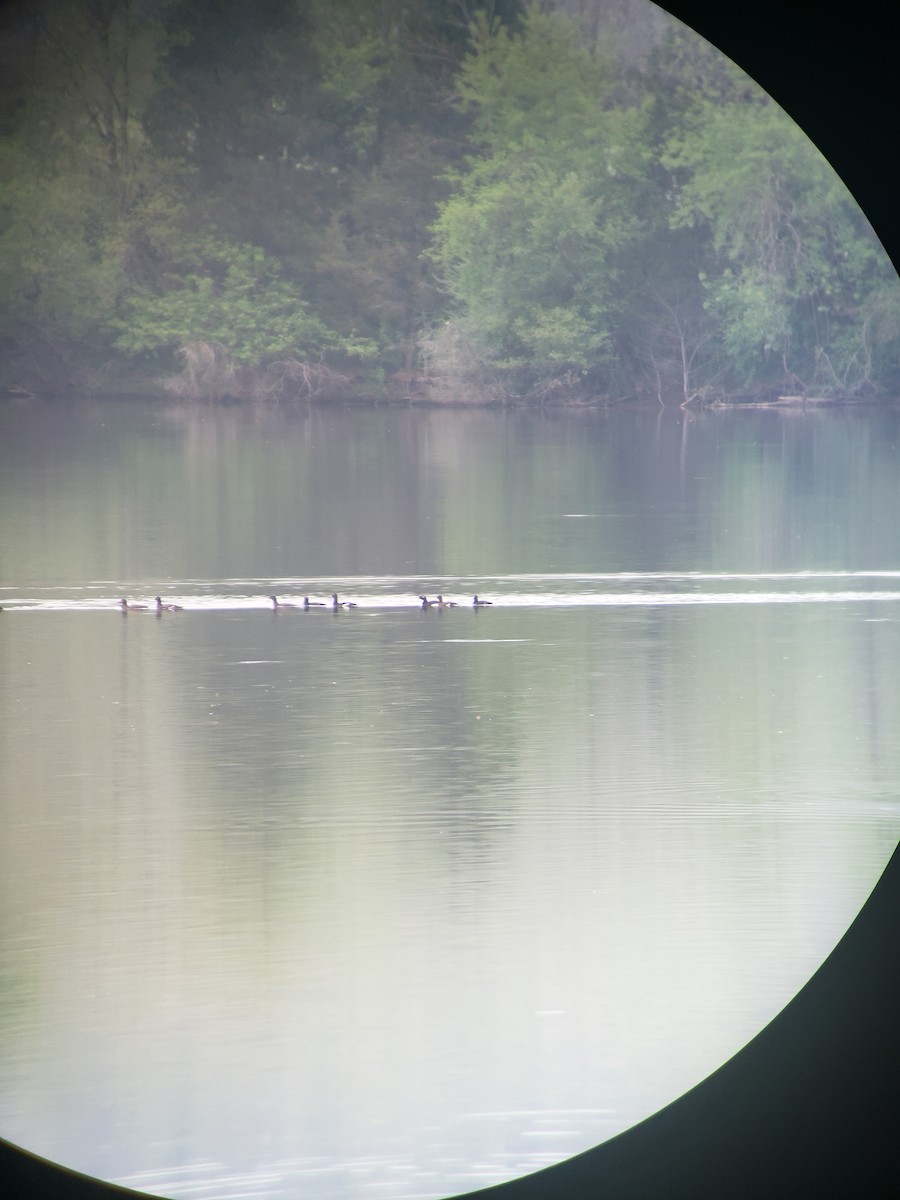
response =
{"points": [[393, 902]]}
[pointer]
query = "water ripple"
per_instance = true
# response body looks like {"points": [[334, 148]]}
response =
{"points": [[504, 591]]}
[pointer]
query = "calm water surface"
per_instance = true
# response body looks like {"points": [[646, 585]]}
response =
{"points": [[403, 902]]}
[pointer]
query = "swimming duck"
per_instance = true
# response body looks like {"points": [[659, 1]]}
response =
{"points": [[160, 607], [442, 603], [276, 603], [476, 603], [126, 607], [307, 603], [426, 603], [336, 604]]}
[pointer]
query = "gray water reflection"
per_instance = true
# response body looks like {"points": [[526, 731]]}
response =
{"points": [[401, 902]]}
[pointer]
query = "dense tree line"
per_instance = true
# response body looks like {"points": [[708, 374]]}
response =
{"points": [[466, 199]]}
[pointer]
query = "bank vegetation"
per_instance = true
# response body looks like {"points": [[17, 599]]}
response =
{"points": [[453, 201]]}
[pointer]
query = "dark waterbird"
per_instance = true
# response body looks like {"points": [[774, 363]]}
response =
{"points": [[160, 607], [126, 607], [476, 603], [276, 603]]}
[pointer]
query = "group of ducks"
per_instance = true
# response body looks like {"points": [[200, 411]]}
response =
{"points": [[336, 605], [440, 602], [158, 605]]}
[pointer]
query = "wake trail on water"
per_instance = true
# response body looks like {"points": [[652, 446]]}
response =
{"points": [[523, 590]]}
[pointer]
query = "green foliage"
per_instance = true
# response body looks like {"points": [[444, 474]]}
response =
{"points": [[353, 84], [529, 85], [371, 274], [234, 296], [479, 188], [523, 250], [790, 257], [60, 273], [527, 245]]}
